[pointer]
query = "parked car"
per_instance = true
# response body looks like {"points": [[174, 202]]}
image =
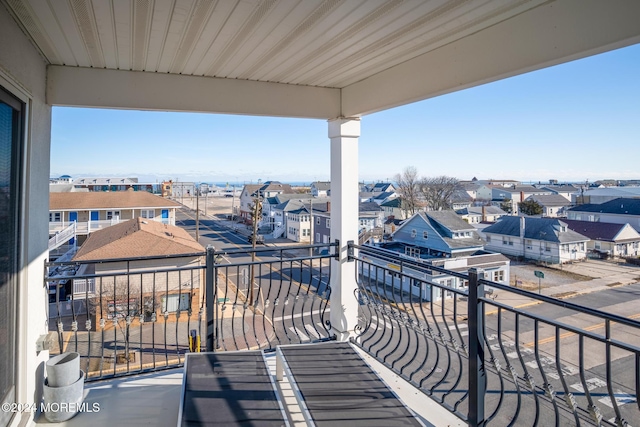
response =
{"points": [[259, 239]]}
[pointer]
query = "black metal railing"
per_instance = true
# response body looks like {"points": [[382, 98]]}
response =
{"points": [[491, 363], [127, 316]]}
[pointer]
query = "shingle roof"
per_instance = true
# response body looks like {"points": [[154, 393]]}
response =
{"points": [[445, 221], [477, 210], [108, 200], [605, 231], [547, 229], [550, 200], [369, 207], [322, 185], [393, 203], [621, 206], [562, 188], [137, 238]]}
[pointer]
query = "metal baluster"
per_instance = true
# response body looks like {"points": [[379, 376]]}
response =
{"points": [[548, 388], [594, 411], [477, 373], [569, 397]]}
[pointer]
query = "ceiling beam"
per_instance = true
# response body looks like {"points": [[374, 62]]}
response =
{"points": [[553, 33], [102, 88]]}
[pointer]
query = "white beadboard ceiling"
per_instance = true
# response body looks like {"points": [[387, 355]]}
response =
{"points": [[326, 43], [304, 58]]}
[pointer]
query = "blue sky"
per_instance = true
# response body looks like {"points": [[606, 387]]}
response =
{"points": [[571, 122]]}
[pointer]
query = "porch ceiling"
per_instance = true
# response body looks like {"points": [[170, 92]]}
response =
{"points": [[348, 57]]}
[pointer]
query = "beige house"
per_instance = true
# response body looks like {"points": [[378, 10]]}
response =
{"points": [[175, 285], [93, 211], [608, 239]]}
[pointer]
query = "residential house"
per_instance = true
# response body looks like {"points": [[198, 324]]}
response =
{"points": [[438, 234], [478, 214], [321, 188], [514, 195], [567, 191], [461, 199], [380, 198], [540, 239], [496, 268], [173, 293], [390, 225], [298, 224], [618, 211], [442, 239], [610, 239], [484, 193], [380, 187], [393, 208], [92, 211], [264, 191], [273, 208], [370, 218], [553, 205], [471, 188]]}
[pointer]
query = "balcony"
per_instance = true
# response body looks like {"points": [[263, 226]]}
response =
{"points": [[458, 357]]}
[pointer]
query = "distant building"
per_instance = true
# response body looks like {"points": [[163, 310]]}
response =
{"points": [[321, 188], [266, 190], [167, 188], [553, 205], [478, 214]]}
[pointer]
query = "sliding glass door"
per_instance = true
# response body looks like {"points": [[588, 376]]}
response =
{"points": [[11, 125]]}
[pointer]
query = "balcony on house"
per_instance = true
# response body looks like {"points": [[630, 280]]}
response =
{"points": [[324, 60]]}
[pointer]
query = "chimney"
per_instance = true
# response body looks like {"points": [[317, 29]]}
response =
{"points": [[522, 196], [522, 227], [484, 213]]}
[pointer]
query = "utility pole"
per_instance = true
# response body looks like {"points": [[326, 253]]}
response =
{"points": [[311, 225], [257, 211], [233, 202], [206, 201], [197, 215]]}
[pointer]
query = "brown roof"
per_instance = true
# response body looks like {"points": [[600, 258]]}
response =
{"points": [[137, 238], [107, 200]]}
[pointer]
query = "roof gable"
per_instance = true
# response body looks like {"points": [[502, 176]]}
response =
{"points": [[620, 206], [546, 229]]}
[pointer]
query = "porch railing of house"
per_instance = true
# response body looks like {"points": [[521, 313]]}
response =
{"points": [[143, 314], [491, 363]]}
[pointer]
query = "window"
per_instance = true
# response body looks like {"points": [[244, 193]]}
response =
{"points": [[318, 238], [318, 221], [424, 235], [498, 276], [510, 241], [11, 143], [328, 223], [504, 241], [147, 213], [413, 232], [175, 302], [488, 238], [412, 252], [581, 246], [547, 247], [529, 244], [54, 217], [113, 215]]}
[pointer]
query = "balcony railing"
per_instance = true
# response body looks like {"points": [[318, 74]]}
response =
{"points": [[487, 362], [143, 314], [493, 364]]}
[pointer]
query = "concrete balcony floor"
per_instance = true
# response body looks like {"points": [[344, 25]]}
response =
{"points": [[153, 399]]}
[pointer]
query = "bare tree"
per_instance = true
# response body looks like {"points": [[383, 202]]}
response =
{"points": [[408, 190], [438, 191]]}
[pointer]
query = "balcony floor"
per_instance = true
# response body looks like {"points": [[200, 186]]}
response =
{"points": [[153, 399]]}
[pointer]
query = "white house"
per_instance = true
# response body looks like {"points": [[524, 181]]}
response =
{"points": [[478, 214], [616, 240], [266, 190], [553, 205], [321, 188], [515, 194], [541, 239]]}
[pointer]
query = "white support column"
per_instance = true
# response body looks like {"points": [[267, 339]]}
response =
{"points": [[344, 133]]}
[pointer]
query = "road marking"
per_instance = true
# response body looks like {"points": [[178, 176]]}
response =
{"points": [[621, 399], [529, 304], [592, 384], [298, 332], [296, 316], [568, 334]]}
